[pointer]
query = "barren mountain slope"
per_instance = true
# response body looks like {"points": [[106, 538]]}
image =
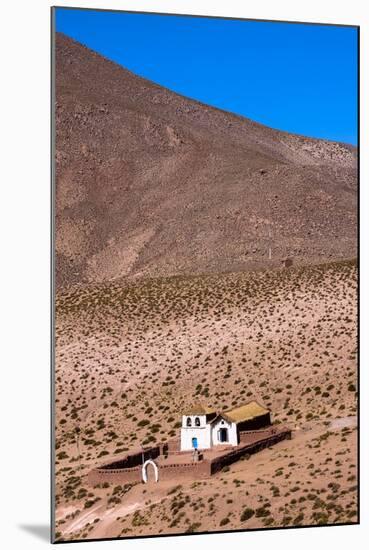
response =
{"points": [[152, 183], [130, 357]]}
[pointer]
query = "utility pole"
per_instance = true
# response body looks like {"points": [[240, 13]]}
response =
{"points": [[77, 433]]}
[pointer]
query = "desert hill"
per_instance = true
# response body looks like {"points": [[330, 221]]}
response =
{"points": [[150, 183]]}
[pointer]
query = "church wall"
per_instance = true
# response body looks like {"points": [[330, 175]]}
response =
{"points": [[232, 432], [202, 434], [193, 417]]}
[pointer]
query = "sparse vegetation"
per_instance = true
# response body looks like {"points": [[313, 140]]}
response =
{"points": [[123, 401]]}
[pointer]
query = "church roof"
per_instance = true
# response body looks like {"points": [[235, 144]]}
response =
{"points": [[200, 410], [245, 412]]}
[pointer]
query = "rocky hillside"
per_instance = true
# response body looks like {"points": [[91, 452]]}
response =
{"points": [[150, 183]]}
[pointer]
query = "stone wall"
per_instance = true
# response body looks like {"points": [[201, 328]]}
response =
{"points": [[249, 448], [192, 470], [248, 436], [134, 459], [173, 445], [129, 468], [118, 477]]}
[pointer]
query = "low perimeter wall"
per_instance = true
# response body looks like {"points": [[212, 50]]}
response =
{"points": [[117, 477], [191, 470], [118, 472], [250, 448]]}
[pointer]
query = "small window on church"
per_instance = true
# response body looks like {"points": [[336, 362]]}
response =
{"points": [[197, 421], [189, 423]]}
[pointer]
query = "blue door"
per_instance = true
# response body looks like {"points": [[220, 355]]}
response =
{"points": [[194, 442]]}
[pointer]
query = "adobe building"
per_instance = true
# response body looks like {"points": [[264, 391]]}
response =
{"points": [[203, 428], [208, 441]]}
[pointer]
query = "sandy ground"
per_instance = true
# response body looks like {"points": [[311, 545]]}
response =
{"points": [[129, 358]]}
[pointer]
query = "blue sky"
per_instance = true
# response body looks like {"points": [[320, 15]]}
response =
{"points": [[296, 77]]}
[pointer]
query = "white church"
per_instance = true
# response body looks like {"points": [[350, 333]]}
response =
{"points": [[203, 428]]}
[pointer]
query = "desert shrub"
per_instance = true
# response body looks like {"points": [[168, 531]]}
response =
{"points": [[174, 489], [193, 527], [114, 500], [246, 514], [102, 453], [62, 455], [143, 423], [89, 503], [262, 512], [298, 519]]}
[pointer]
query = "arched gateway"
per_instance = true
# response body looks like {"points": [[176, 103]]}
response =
{"points": [[144, 470]]}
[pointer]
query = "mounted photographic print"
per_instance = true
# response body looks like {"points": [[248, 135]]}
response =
{"points": [[205, 243]]}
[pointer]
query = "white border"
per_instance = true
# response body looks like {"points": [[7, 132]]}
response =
{"points": [[24, 203]]}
